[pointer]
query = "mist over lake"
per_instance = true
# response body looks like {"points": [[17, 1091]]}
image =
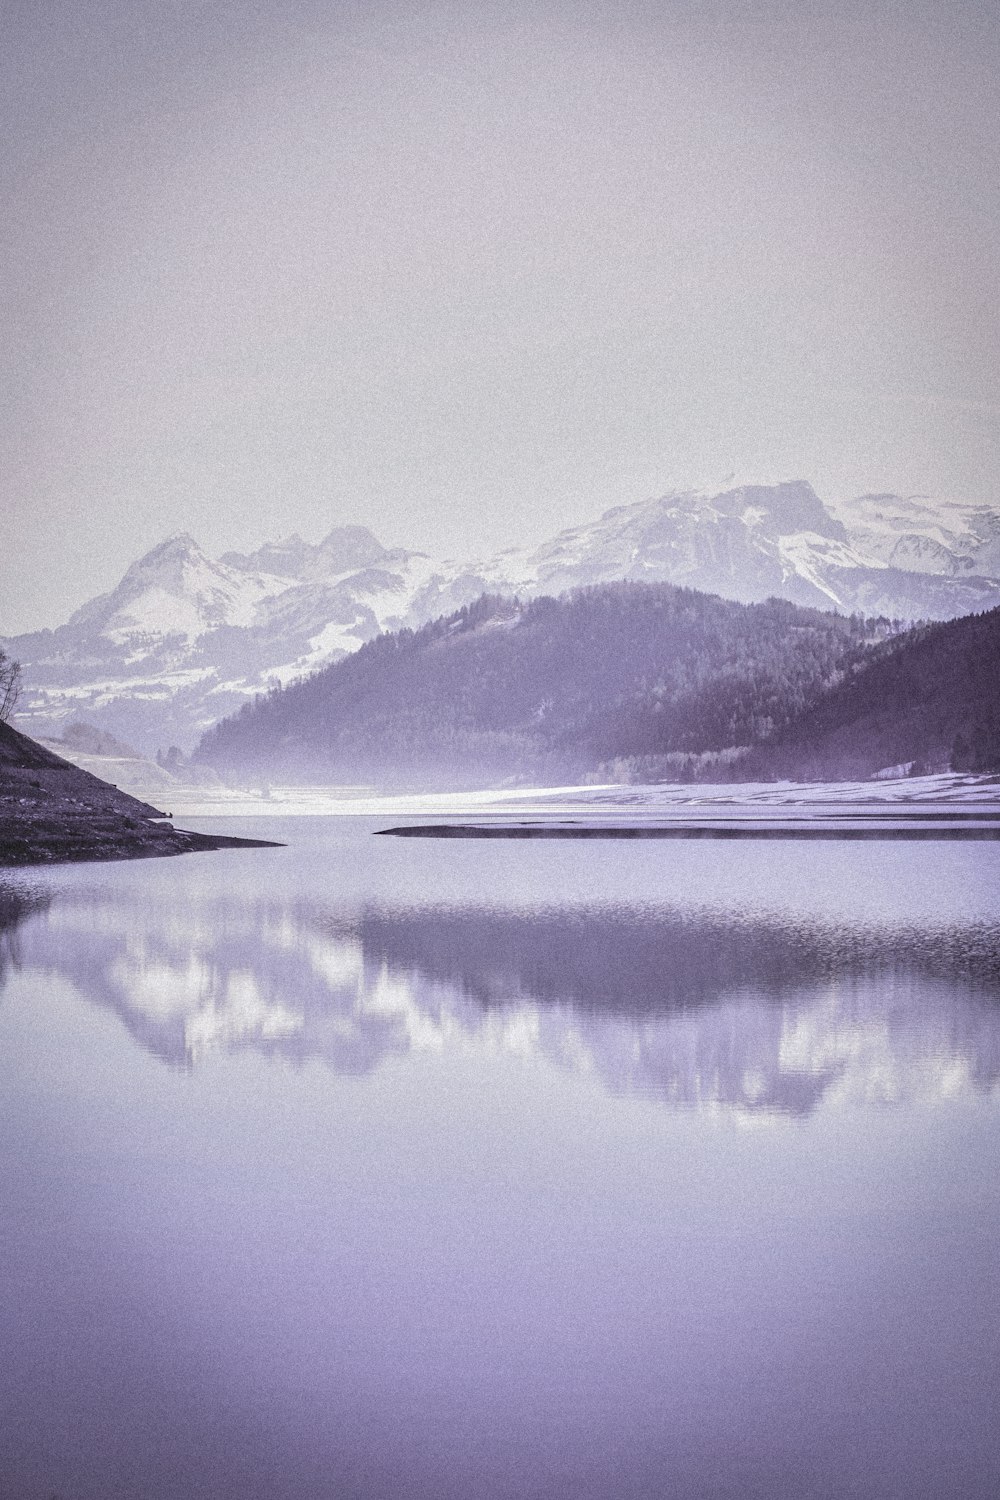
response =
{"points": [[371, 1167]]}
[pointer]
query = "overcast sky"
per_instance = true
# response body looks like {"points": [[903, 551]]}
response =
{"points": [[466, 274]]}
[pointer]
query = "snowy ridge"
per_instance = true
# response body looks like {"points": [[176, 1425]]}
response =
{"points": [[184, 640], [923, 536], [175, 590]]}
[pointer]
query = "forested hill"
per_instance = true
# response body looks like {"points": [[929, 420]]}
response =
{"points": [[929, 698], [636, 680]]}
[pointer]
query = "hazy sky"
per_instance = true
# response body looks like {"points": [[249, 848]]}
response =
{"points": [[469, 273]]}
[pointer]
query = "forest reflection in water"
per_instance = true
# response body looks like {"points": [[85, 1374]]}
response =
{"points": [[692, 1007]]}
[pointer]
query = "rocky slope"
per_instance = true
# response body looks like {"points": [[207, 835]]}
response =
{"points": [[109, 759], [183, 640], [51, 811]]}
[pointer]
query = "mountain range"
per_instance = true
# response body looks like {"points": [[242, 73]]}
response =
{"points": [[184, 639]]}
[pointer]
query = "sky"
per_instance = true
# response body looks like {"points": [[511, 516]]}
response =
{"points": [[467, 274]]}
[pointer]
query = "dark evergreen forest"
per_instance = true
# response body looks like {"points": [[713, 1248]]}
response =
{"points": [[622, 681], [928, 699]]}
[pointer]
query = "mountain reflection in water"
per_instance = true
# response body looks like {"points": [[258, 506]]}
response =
{"points": [[693, 1008], [17, 903]]}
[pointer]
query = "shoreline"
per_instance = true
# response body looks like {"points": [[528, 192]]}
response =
{"points": [[800, 829], [28, 845]]}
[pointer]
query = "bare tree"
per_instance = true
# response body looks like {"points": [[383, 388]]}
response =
{"points": [[10, 686]]}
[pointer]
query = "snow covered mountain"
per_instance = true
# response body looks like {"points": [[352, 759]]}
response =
{"points": [[184, 640], [917, 535], [758, 541]]}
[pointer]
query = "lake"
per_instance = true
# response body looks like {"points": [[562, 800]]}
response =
{"points": [[377, 1167]]}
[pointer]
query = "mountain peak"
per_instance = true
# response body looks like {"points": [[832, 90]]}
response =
{"points": [[348, 547], [174, 551], [345, 549], [786, 508], [181, 543]]}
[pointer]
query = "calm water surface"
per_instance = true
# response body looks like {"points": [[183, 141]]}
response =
{"points": [[382, 1168]]}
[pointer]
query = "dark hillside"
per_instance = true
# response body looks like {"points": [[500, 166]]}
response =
{"points": [[27, 767], [930, 697], [19, 753], [53, 811], [643, 680]]}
